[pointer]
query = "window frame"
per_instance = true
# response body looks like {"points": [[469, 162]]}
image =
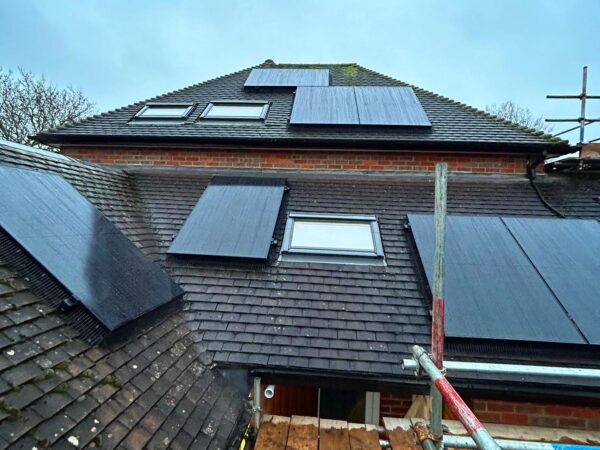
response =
{"points": [[348, 256], [140, 114], [263, 114]]}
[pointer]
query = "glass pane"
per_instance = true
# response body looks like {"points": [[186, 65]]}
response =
{"points": [[333, 235], [235, 111], [157, 111]]}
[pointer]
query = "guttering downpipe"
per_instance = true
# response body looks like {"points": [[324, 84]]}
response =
{"points": [[531, 175]]}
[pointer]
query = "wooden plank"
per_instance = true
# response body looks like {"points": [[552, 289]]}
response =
{"points": [[333, 435], [303, 433], [363, 437], [273, 433], [400, 434], [529, 433]]}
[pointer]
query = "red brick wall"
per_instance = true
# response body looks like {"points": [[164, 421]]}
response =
{"points": [[538, 414], [303, 159], [511, 412], [391, 405]]}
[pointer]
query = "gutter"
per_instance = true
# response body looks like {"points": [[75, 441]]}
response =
{"points": [[314, 143], [406, 384]]}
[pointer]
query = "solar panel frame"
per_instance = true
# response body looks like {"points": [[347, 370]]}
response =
{"points": [[234, 218], [566, 254], [389, 106], [492, 290], [264, 77], [333, 105], [81, 248]]}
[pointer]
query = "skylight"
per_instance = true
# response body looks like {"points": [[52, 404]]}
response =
{"points": [[354, 238], [163, 111], [236, 110]]}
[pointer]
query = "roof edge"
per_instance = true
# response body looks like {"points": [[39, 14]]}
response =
{"points": [[557, 148]]}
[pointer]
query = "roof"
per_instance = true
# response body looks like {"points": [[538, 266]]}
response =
{"points": [[147, 388], [453, 124], [340, 320]]}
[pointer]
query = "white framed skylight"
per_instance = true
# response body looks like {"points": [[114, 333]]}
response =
{"points": [[332, 238], [236, 110], [165, 111]]}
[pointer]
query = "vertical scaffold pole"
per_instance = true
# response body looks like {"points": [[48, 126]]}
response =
{"points": [[437, 321], [460, 409]]}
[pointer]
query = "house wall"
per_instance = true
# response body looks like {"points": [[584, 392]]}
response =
{"points": [[303, 159], [511, 412]]}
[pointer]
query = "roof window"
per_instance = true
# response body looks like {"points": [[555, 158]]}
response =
{"points": [[162, 111], [332, 238], [236, 110]]}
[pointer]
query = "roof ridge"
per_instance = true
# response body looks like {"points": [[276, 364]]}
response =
{"points": [[309, 65], [532, 131]]}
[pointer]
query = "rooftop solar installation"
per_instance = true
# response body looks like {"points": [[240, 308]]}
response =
{"points": [[566, 253], [359, 105], [389, 105], [80, 248], [235, 217], [287, 77], [335, 105], [492, 289]]}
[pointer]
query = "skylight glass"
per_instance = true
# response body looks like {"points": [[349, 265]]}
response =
{"points": [[236, 110], [346, 238], [332, 235], [165, 111]]}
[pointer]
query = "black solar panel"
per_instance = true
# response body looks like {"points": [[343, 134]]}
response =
{"points": [[389, 105], [492, 289], [360, 105], [566, 252], [287, 77], [334, 105], [235, 217], [79, 247]]}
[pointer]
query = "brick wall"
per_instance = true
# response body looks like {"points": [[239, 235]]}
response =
{"points": [[391, 405], [303, 159], [538, 414], [511, 412]]}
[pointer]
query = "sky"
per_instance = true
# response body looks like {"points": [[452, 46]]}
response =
{"points": [[478, 52]]}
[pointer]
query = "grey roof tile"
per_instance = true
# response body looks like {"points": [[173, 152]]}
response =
{"points": [[451, 121], [314, 325]]}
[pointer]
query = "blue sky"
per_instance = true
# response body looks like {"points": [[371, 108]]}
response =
{"points": [[475, 51]]}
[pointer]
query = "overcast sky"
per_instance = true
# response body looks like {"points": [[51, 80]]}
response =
{"points": [[475, 51]]}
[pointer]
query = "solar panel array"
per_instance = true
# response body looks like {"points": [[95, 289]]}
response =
{"points": [[98, 265], [287, 77], [235, 217], [529, 279], [359, 105]]}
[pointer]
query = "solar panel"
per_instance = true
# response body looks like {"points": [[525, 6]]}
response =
{"points": [[492, 289], [287, 77], [566, 252], [389, 105], [235, 217], [360, 105], [335, 105], [79, 247]]}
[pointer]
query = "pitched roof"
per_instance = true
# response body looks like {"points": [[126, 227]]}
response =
{"points": [[344, 320], [453, 124], [147, 388]]}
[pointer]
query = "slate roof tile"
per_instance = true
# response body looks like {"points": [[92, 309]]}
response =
{"points": [[451, 121], [366, 332]]}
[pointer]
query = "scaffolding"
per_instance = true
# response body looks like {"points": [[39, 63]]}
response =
{"points": [[582, 120], [433, 365]]}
